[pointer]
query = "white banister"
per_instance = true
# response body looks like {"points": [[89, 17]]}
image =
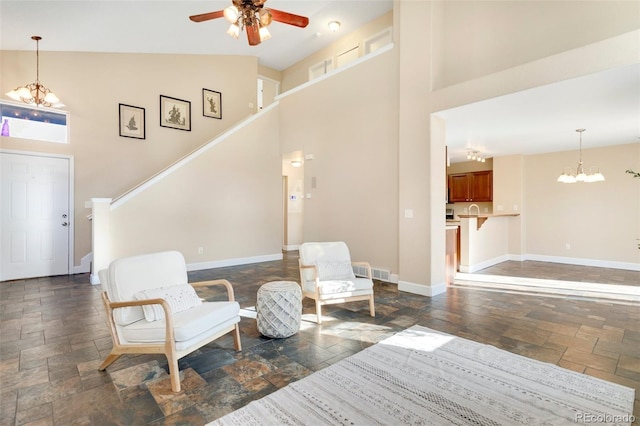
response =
{"points": [[101, 236]]}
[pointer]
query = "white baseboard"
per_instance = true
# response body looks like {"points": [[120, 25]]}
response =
{"points": [[291, 248], [233, 262], [85, 265], [478, 266], [94, 279], [421, 289]]}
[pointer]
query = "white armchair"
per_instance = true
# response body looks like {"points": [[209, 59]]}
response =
{"points": [[326, 275], [151, 308]]}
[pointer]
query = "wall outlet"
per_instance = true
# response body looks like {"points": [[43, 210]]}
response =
{"points": [[486, 209], [408, 214], [515, 207], [500, 207], [200, 250], [464, 210], [567, 246]]}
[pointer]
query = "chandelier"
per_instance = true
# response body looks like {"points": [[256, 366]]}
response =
{"points": [[580, 175], [475, 156], [36, 93], [249, 15]]}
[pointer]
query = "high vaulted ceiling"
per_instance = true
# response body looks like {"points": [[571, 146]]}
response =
{"points": [[539, 120], [163, 26]]}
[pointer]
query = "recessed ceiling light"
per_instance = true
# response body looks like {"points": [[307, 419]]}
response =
{"points": [[334, 26]]}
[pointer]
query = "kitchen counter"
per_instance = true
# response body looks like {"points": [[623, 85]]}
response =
{"points": [[482, 218]]}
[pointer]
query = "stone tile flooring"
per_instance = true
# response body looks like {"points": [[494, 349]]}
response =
{"points": [[53, 336], [558, 271]]}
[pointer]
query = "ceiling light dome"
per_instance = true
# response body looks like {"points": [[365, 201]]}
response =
{"points": [[334, 26]]}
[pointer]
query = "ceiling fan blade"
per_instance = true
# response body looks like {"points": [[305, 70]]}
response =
{"points": [[253, 34], [289, 18], [207, 16]]}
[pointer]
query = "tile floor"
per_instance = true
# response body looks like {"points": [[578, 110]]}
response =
{"points": [[53, 336]]}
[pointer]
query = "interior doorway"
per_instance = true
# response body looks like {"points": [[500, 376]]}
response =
{"points": [[36, 221], [268, 89]]}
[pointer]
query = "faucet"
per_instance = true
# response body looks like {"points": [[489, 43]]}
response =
{"points": [[477, 207]]}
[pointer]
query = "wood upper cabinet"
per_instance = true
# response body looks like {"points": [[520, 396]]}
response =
{"points": [[472, 186]]}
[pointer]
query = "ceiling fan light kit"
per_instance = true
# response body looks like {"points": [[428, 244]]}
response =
{"points": [[253, 17], [580, 175], [36, 93]]}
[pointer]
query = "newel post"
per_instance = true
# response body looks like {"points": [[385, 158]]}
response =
{"points": [[101, 237]]}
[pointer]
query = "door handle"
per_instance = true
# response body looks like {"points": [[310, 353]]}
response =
{"points": [[65, 223]]}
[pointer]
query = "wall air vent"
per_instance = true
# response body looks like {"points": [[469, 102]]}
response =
{"points": [[378, 274]]}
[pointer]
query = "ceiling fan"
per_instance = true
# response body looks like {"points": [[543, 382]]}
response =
{"points": [[253, 17]]}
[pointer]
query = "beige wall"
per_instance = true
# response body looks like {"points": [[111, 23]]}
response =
{"points": [[483, 37], [298, 73], [295, 206], [508, 197], [374, 153], [600, 221], [227, 201], [351, 132], [92, 85]]}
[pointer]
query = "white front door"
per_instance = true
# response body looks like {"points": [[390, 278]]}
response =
{"points": [[35, 217]]}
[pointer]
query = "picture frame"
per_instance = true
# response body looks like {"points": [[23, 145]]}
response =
{"points": [[175, 113], [212, 104], [132, 121]]}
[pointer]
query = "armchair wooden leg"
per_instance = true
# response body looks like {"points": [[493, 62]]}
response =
{"points": [[372, 308], [236, 338], [319, 311], [174, 373], [108, 361]]}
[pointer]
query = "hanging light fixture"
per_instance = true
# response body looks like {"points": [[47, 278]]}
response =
{"points": [[334, 26], [36, 93], [475, 156], [580, 174], [249, 15]]}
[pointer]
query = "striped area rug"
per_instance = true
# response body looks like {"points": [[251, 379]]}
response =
{"points": [[425, 377]]}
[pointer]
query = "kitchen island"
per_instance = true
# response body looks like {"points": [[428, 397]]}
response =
{"points": [[485, 240]]}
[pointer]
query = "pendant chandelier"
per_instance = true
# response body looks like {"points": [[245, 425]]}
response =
{"points": [[35, 93], [580, 175]]}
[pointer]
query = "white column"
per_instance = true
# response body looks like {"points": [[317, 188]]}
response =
{"points": [[101, 237]]}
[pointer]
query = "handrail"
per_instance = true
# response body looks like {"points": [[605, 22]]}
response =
{"points": [[130, 193], [121, 199]]}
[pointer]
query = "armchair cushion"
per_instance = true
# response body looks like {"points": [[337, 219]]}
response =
{"points": [[187, 325], [179, 297], [130, 275]]}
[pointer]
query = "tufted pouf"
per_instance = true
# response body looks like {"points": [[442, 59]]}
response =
{"points": [[279, 309]]}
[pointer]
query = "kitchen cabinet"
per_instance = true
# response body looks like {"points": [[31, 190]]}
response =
{"points": [[472, 186]]}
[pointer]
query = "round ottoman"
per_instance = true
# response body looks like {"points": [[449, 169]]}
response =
{"points": [[279, 309]]}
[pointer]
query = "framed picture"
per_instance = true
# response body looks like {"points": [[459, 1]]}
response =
{"points": [[211, 104], [175, 113], [132, 121]]}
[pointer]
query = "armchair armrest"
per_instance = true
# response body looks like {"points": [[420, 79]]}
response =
{"points": [[366, 265], [316, 277], [314, 267], [225, 283], [168, 315]]}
